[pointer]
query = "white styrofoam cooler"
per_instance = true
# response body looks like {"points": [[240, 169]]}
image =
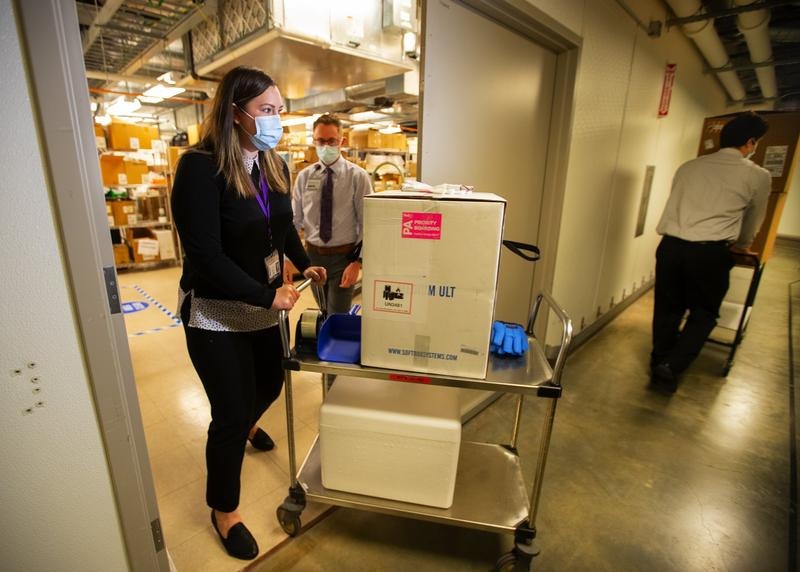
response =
{"points": [[391, 440], [430, 276]]}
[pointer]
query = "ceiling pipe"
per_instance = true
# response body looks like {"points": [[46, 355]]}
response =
{"points": [[755, 28], [708, 42], [141, 79]]}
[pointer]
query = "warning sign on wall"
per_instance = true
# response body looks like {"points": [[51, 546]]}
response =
{"points": [[666, 90]]}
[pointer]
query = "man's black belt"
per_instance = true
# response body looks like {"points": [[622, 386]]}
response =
{"points": [[705, 242]]}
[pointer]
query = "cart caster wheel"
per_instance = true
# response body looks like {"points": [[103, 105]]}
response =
{"points": [[505, 563], [513, 562], [289, 521]]}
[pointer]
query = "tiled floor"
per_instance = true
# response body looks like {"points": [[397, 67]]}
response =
{"points": [[175, 415]]}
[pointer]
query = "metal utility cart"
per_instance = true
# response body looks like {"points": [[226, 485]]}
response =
{"points": [[734, 317], [505, 506]]}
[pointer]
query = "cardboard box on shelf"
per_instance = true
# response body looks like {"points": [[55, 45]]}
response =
{"points": [[374, 139], [193, 131], [777, 150], [134, 170], [122, 254], [422, 311], [357, 139], [310, 154], [124, 212], [118, 135], [166, 244], [144, 244], [173, 156], [111, 167], [764, 242]]}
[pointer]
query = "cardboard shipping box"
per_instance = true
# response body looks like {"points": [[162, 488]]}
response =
{"points": [[764, 242], [122, 254], [166, 244], [430, 275], [144, 244], [124, 212]]}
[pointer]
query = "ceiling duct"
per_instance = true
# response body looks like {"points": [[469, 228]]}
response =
{"points": [[754, 26], [402, 88], [708, 42]]}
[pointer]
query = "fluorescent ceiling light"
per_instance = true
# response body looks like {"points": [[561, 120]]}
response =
{"points": [[148, 99], [367, 116], [163, 91], [122, 106], [292, 121], [364, 126], [167, 77]]}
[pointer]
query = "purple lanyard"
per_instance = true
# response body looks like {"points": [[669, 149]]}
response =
{"points": [[263, 202]]}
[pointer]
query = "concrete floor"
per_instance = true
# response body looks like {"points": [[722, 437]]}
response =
{"points": [[636, 479]]}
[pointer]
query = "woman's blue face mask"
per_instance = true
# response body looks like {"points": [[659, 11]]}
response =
{"points": [[268, 131]]}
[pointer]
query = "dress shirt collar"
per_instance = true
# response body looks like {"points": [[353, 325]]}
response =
{"points": [[249, 159], [338, 167]]}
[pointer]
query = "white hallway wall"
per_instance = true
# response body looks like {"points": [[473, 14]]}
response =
{"points": [[616, 133], [58, 506], [790, 220]]}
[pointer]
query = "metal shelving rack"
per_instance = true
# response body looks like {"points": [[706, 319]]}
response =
{"points": [[506, 506]]}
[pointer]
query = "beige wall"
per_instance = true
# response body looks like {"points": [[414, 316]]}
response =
{"points": [[790, 220], [59, 511], [616, 133]]}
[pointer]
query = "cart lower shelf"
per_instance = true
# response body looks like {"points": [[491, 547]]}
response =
{"points": [[490, 492]]}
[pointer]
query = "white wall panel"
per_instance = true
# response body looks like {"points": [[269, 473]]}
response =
{"points": [[616, 133], [790, 219], [59, 511], [603, 76]]}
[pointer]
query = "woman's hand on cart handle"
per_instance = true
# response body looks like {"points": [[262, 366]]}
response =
{"points": [[285, 297], [316, 273]]}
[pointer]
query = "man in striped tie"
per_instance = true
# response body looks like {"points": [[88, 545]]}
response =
{"points": [[328, 206]]}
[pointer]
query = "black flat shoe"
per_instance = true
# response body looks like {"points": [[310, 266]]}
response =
{"points": [[262, 441], [663, 377], [240, 543]]}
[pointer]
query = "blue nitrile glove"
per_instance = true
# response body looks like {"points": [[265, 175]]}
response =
{"points": [[498, 332], [519, 337], [508, 339]]}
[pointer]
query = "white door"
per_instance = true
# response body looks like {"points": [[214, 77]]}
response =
{"points": [[487, 98]]}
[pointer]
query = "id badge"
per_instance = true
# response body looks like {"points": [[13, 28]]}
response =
{"points": [[273, 264], [314, 184]]}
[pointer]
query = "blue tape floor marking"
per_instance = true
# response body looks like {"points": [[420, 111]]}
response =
{"points": [[176, 321]]}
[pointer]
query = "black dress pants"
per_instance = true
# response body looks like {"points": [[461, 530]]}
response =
{"points": [[690, 276], [242, 375]]}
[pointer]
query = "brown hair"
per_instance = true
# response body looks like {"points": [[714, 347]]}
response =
{"points": [[327, 119], [220, 136]]}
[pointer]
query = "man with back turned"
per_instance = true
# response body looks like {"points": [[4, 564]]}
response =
{"points": [[715, 209]]}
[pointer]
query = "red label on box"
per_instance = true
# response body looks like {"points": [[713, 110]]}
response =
{"points": [[422, 225]]}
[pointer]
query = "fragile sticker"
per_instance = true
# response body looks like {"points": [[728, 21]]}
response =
{"points": [[426, 226]]}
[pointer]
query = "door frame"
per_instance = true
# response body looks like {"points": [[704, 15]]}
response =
{"points": [[535, 25], [53, 54]]}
